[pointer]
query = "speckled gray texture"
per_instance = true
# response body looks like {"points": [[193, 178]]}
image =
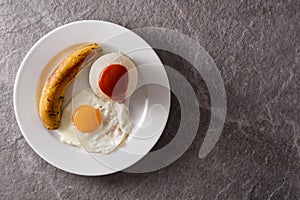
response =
{"points": [[256, 46]]}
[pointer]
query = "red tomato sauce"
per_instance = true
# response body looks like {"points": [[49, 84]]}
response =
{"points": [[113, 81]]}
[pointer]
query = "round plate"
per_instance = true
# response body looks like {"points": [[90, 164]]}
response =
{"points": [[148, 106]]}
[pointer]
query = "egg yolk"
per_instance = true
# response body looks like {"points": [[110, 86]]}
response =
{"points": [[86, 119], [113, 81]]}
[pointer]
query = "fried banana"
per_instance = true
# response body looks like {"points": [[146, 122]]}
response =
{"points": [[53, 91]]}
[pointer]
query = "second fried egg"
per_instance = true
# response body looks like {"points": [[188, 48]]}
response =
{"points": [[113, 76]]}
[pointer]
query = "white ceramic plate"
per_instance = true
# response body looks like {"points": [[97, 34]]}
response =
{"points": [[149, 105]]}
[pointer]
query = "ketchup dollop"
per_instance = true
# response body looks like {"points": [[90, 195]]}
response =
{"points": [[113, 82]]}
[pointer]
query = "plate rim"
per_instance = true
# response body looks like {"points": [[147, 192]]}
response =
{"points": [[19, 74]]}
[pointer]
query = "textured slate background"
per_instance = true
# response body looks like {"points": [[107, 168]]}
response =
{"points": [[256, 46]]}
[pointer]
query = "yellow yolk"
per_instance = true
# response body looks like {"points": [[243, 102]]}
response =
{"points": [[86, 119]]}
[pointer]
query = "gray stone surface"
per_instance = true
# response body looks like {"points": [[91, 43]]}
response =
{"points": [[256, 46]]}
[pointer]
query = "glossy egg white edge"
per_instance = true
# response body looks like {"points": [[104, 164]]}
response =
{"points": [[108, 59], [114, 128]]}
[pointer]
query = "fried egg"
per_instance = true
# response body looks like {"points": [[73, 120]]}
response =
{"points": [[113, 76], [95, 124]]}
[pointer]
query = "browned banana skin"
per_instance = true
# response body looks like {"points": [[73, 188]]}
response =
{"points": [[53, 92]]}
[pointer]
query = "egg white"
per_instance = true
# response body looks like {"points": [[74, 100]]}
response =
{"points": [[114, 128], [108, 59]]}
